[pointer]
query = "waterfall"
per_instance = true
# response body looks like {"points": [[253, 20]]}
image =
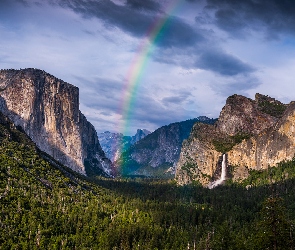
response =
{"points": [[223, 168], [223, 174]]}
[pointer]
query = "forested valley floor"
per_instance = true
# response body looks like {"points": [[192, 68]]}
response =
{"points": [[45, 206]]}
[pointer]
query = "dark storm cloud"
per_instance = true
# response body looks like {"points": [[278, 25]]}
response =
{"points": [[131, 19], [149, 110], [230, 21], [119, 16], [179, 34], [144, 5], [223, 63], [178, 43], [272, 16]]}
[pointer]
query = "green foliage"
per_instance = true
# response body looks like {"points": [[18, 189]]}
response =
{"points": [[224, 145], [92, 170], [275, 109], [47, 206], [161, 171], [273, 228], [283, 171], [190, 168], [127, 165], [189, 165]]}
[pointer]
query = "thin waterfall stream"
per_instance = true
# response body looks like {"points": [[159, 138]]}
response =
{"points": [[223, 174]]}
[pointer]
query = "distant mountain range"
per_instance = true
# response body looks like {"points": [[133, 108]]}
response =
{"points": [[115, 143], [157, 153]]}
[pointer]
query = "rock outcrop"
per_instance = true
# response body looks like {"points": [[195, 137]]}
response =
{"points": [[266, 149], [243, 115], [115, 143], [157, 153], [47, 109], [254, 134]]}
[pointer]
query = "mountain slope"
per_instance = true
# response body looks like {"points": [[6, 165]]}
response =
{"points": [[245, 131], [47, 109], [114, 143], [156, 154]]}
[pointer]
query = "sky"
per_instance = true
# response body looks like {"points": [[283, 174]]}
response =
{"points": [[145, 63]]}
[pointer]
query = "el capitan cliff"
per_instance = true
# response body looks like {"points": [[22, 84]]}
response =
{"points": [[47, 109]]}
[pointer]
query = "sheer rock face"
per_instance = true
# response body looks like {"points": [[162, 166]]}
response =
{"points": [[48, 110], [241, 114], [192, 166], [268, 140], [268, 148], [198, 157], [165, 149]]}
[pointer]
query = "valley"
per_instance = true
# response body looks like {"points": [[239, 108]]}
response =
{"points": [[214, 197], [147, 125]]}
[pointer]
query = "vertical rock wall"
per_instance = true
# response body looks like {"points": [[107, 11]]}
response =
{"points": [[268, 148], [255, 134], [48, 110]]}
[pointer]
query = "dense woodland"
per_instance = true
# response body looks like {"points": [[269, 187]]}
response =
{"points": [[46, 206]]}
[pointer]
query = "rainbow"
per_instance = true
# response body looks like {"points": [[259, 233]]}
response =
{"points": [[140, 61], [137, 68]]}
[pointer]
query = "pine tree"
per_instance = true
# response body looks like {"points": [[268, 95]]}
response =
{"points": [[273, 227]]}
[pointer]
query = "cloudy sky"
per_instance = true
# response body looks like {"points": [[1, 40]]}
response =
{"points": [[196, 54]]}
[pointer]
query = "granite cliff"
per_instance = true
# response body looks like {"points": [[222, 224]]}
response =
{"points": [[254, 134], [157, 153], [47, 109], [115, 143]]}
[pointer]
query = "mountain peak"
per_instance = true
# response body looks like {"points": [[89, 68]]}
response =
{"points": [[269, 105], [244, 114], [260, 97]]}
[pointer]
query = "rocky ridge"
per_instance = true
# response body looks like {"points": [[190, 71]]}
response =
{"points": [[254, 134], [47, 109]]}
